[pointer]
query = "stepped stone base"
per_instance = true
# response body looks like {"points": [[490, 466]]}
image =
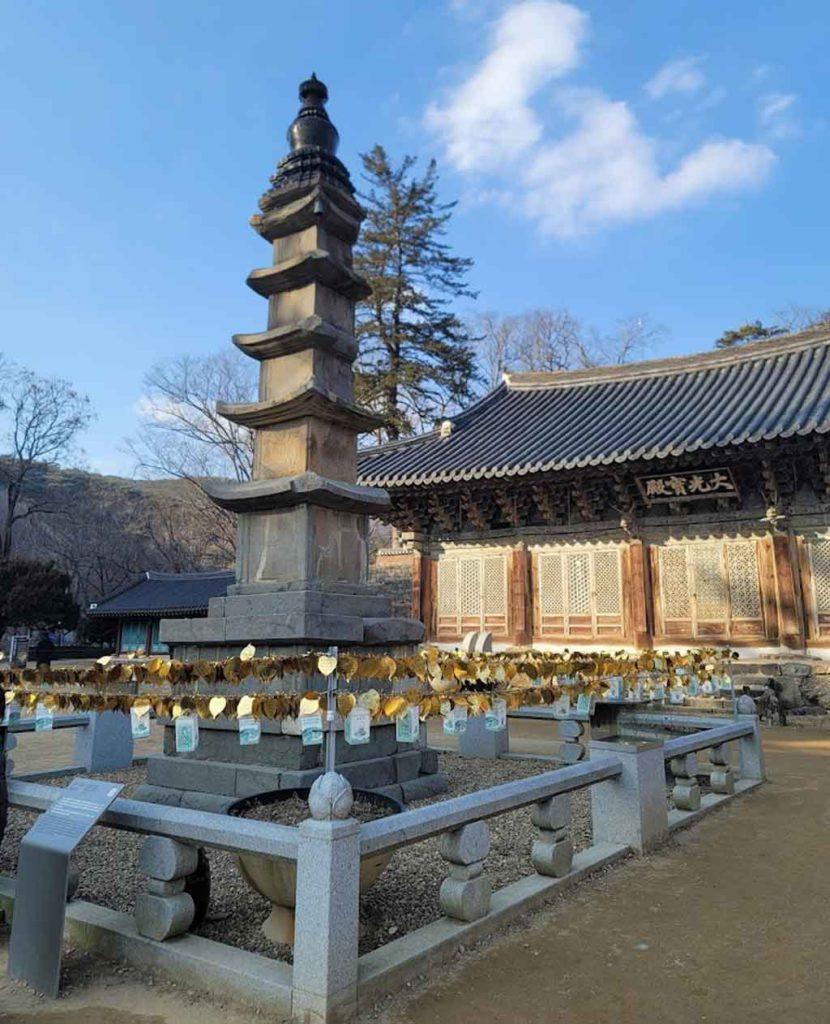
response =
{"points": [[221, 771], [275, 615]]}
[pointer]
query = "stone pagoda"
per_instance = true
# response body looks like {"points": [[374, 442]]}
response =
{"points": [[302, 552]]}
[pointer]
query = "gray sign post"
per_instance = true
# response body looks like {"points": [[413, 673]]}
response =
{"points": [[42, 875]]}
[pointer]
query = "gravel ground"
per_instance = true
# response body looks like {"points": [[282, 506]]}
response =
{"points": [[404, 898]]}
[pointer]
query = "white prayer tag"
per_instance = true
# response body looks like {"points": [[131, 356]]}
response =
{"points": [[638, 691], [312, 729], [455, 721], [250, 731], [694, 686], [140, 723], [562, 706], [659, 691], [585, 704], [44, 718], [187, 733], [496, 718], [677, 695], [615, 691], [408, 726], [358, 726]]}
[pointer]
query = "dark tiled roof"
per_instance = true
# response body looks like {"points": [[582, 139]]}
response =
{"points": [[166, 594], [542, 422]]}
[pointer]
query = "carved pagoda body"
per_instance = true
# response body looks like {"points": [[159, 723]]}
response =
{"points": [[301, 574]]}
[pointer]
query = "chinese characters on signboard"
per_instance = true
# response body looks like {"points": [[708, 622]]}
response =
{"points": [[703, 483]]}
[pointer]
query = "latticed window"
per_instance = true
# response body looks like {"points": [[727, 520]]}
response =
{"points": [[710, 589], [472, 593], [578, 592], [820, 572]]}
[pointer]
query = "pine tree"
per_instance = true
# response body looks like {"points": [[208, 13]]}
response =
{"points": [[416, 357], [753, 331]]}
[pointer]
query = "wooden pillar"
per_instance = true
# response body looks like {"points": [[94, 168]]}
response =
{"points": [[790, 608], [429, 596], [639, 594], [519, 592]]}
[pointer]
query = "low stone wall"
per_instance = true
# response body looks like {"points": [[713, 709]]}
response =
{"points": [[799, 682]]}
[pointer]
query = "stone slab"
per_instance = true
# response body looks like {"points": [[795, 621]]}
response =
{"points": [[425, 786], [408, 765], [158, 795], [388, 968], [197, 775], [190, 961], [212, 802]]}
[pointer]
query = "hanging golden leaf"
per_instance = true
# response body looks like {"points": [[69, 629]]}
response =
{"points": [[270, 707], [216, 705], [105, 660], [247, 653], [393, 706], [245, 706], [388, 666], [326, 664], [347, 666], [369, 699], [345, 703]]}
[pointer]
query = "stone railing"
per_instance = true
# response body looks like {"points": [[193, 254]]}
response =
{"points": [[103, 741], [329, 980]]}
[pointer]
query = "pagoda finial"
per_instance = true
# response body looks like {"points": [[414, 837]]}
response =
{"points": [[311, 126]]}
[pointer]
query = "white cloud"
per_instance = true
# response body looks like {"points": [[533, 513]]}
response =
{"points": [[487, 118], [775, 113], [677, 76], [599, 167]]}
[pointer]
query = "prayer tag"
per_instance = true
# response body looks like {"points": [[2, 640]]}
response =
{"points": [[250, 731], [495, 720], [677, 695], [659, 692], [615, 691], [44, 719], [455, 721], [694, 686], [358, 726], [187, 733], [562, 706], [312, 730], [585, 704], [408, 726], [140, 723]]}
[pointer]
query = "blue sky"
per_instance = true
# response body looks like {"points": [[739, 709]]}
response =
{"points": [[615, 158]]}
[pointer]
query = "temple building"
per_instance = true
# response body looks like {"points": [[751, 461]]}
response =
{"points": [[681, 501]]}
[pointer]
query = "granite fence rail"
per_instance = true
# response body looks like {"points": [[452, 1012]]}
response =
{"points": [[328, 980]]}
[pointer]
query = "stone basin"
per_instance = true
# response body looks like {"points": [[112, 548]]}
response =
{"points": [[275, 878]]}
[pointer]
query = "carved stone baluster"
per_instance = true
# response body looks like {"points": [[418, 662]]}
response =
{"points": [[553, 852], [465, 892], [686, 792], [721, 779]]}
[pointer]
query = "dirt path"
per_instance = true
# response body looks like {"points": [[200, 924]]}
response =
{"points": [[727, 923]]}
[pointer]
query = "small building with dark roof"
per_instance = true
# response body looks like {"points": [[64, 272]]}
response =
{"points": [[668, 502], [139, 606]]}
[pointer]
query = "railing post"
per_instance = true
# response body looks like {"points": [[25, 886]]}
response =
{"points": [[751, 750], [324, 978], [721, 778], [631, 809], [165, 909], [466, 891], [685, 792], [105, 743], [553, 852]]}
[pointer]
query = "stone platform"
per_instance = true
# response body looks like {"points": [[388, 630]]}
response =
{"points": [[221, 771]]}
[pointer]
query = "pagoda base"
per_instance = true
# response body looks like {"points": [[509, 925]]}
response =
{"points": [[272, 616], [220, 771]]}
